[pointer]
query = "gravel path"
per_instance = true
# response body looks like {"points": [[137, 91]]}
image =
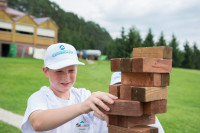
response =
{"points": [[11, 118]]}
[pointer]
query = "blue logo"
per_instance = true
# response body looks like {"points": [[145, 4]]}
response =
{"points": [[63, 51], [62, 47]]}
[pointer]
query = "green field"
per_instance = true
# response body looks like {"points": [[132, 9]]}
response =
{"points": [[19, 78]]}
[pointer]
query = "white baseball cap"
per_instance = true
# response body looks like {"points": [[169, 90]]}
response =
{"points": [[115, 78], [61, 55]]}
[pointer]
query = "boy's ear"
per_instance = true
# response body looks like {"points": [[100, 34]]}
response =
{"points": [[45, 70]]}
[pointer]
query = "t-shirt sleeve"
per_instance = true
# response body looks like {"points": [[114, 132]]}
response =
{"points": [[35, 102], [84, 94]]}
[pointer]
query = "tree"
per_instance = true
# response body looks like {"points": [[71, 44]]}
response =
{"points": [[122, 43], [196, 57], [134, 40], [176, 54], [148, 42], [187, 62], [113, 49], [161, 41]]}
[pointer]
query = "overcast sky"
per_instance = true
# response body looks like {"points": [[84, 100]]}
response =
{"points": [[178, 17]]}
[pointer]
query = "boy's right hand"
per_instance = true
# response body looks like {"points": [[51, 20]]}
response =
{"points": [[98, 99]]}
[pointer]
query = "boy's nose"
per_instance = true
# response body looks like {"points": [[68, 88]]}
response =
{"points": [[66, 75]]}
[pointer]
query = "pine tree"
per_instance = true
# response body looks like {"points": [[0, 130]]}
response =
{"points": [[133, 40], [123, 43], [161, 41], [149, 42], [176, 54], [196, 56], [187, 62]]}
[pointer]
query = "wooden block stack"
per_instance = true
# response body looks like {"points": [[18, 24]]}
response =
{"points": [[143, 90]]}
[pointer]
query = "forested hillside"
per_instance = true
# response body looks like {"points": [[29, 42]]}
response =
{"points": [[89, 35], [72, 29]]}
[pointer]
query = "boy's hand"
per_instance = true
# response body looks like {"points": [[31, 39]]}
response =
{"points": [[98, 99]]}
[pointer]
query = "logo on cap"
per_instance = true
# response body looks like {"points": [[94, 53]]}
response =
{"points": [[62, 47], [63, 51]]}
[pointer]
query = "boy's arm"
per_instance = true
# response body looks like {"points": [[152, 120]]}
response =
{"points": [[42, 120]]}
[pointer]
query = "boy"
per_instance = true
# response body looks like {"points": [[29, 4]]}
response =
{"points": [[116, 79], [61, 108]]}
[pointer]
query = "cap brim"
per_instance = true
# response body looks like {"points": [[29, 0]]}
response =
{"points": [[64, 63], [115, 82]]}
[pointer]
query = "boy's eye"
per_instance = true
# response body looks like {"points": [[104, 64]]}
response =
{"points": [[59, 71], [71, 70]]}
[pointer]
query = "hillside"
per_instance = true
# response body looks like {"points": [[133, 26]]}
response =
{"points": [[72, 29]]}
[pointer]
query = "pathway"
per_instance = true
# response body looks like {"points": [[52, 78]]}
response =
{"points": [[11, 118]]}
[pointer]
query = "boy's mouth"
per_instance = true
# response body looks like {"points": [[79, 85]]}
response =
{"points": [[65, 84]]}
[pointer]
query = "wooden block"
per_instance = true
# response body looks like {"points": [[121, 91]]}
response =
{"points": [[114, 89], [122, 121], [151, 65], [145, 79], [117, 120], [165, 79], [137, 129], [115, 64], [126, 65], [142, 94], [153, 52], [113, 119], [126, 92], [131, 121], [155, 107], [125, 108], [141, 120]]}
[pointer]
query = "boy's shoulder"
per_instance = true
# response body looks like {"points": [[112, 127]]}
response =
{"points": [[80, 93], [44, 92], [40, 93]]}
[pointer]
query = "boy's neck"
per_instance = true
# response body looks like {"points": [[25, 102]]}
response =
{"points": [[63, 95]]}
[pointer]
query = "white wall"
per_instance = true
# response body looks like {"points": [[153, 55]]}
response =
{"points": [[5, 25], [45, 32], [25, 28]]}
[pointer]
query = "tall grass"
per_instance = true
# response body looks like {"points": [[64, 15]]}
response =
{"points": [[19, 78]]}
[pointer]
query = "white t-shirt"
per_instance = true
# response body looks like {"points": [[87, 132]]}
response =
{"points": [[158, 125], [45, 99]]}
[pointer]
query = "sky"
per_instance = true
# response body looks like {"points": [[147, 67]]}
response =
{"points": [[178, 17]]}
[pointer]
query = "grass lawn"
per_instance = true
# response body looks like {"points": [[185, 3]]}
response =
{"points": [[19, 78], [5, 128]]}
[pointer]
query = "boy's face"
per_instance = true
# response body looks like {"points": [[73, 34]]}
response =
{"points": [[61, 80]]}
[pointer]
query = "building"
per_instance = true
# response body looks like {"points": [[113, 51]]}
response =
{"points": [[20, 31]]}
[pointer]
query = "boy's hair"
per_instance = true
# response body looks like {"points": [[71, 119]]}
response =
{"points": [[61, 55]]}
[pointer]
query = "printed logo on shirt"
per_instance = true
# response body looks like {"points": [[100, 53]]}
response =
{"points": [[82, 127]]}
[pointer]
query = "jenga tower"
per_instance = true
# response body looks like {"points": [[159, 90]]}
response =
{"points": [[143, 90]]}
